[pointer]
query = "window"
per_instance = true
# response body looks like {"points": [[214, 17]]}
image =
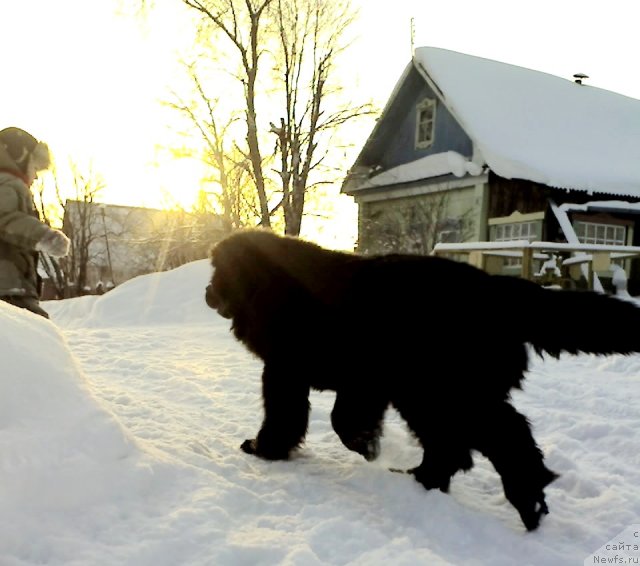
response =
{"points": [[425, 121], [510, 231], [516, 231], [449, 230], [599, 233]]}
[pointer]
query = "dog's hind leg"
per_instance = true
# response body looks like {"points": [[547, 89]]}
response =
{"points": [[504, 436], [446, 448], [440, 462], [357, 419]]}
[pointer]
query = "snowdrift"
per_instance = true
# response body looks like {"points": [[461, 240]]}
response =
{"points": [[48, 413], [67, 465], [175, 296]]}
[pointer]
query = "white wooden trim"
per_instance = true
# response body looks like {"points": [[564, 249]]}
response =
{"points": [[465, 247], [425, 189], [516, 217]]}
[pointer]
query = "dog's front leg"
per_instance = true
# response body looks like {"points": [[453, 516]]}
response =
{"points": [[286, 414]]}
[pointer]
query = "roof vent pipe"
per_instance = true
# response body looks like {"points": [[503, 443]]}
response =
{"points": [[579, 76]]}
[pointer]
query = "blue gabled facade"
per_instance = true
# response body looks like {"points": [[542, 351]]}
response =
{"points": [[392, 142]]}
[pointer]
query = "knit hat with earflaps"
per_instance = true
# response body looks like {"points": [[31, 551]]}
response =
{"points": [[21, 145]]}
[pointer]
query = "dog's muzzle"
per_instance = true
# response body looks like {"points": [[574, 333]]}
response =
{"points": [[210, 297], [213, 301]]}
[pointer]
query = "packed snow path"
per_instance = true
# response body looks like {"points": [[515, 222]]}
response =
{"points": [[194, 394]]}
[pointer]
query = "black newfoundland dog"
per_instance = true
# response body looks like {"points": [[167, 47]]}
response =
{"points": [[441, 341]]}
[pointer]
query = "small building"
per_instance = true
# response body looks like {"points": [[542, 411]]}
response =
{"points": [[113, 243], [471, 149]]}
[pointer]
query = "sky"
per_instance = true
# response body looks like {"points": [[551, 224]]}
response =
{"points": [[89, 82], [121, 421]]}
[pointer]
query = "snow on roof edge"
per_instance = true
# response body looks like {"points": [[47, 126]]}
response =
{"points": [[436, 165], [511, 99]]}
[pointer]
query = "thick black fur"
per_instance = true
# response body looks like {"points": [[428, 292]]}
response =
{"points": [[441, 341]]}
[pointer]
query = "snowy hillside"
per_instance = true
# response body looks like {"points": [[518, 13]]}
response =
{"points": [[120, 426]]}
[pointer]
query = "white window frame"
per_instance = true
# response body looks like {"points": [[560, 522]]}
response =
{"points": [[516, 226], [511, 231], [425, 122], [600, 233]]}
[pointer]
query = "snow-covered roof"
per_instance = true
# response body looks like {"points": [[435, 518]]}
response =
{"points": [[531, 125], [449, 162], [525, 124]]}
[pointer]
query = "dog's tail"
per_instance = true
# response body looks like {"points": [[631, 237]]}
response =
{"points": [[556, 321]]}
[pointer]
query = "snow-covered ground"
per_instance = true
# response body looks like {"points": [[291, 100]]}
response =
{"points": [[120, 426]]}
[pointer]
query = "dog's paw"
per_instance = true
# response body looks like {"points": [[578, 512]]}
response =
{"points": [[531, 517], [430, 479], [249, 446], [366, 444], [264, 450]]}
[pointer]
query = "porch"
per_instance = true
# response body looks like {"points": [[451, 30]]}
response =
{"points": [[572, 261]]}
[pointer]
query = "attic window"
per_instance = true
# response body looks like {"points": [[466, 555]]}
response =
{"points": [[425, 120]]}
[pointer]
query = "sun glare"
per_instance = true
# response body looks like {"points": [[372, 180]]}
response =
{"points": [[92, 92]]}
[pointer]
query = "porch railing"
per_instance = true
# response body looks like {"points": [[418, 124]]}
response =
{"points": [[490, 256]]}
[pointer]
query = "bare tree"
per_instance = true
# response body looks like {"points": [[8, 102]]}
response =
{"points": [[235, 200], [81, 225], [300, 41], [48, 212], [310, 33], [413, 226], [177, 236], [243, 23]]}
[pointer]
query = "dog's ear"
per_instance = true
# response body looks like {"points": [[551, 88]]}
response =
{"points": [[220, 294]]}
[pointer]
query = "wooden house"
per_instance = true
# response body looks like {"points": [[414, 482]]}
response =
{"points": [[471, 149]]}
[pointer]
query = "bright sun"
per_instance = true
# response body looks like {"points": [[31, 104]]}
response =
{"points": [[92, 91], [90, 83]]}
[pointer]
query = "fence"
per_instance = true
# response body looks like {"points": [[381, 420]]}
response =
{"points": [[588, 259]]}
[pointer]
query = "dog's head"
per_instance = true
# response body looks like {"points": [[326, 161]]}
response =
{"points": [[241, 269], [256, 272]]}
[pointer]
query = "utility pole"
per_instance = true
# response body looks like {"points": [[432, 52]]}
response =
{"points": [[106, 240]]}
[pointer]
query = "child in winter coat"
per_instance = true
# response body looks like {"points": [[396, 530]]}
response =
{"points": [[22, 234]]}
